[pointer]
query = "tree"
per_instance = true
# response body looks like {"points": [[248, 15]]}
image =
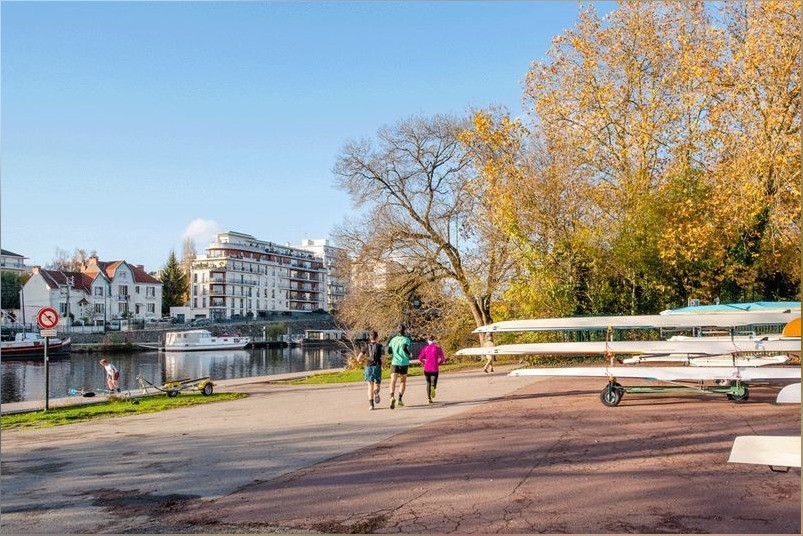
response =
{"points": [[188, 256], [65, 262], [10, 286], [174, 284], [423, 224], [660, 160]]}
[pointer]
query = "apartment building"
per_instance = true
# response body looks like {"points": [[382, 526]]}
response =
{"points": [[242, 277], [334, 285], [12, 262]]}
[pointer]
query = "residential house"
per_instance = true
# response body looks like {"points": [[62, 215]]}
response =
{"points": [[100, 292]]}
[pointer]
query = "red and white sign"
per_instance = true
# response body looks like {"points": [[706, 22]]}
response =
{"points": [[47, 318]]}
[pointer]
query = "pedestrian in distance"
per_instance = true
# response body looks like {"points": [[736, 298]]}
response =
{"points": [[112, 375], [371, 355], [489, 358], [399, 348], [431, 357]]}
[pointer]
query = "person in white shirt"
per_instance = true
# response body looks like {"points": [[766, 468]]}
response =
{"points": [[112, 375]]}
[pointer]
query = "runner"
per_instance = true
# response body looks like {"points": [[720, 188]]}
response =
{"points": [[372, 356], [431, 358], [399, 347]]}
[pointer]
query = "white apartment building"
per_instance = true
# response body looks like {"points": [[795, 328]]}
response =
{"points": [[335, 287], [242, 277], [12, 262], [100, 292]]}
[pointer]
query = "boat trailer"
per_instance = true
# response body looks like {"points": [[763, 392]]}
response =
{"points": [[612, 394], [174, 387]]}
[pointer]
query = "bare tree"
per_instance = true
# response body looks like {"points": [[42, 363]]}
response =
{"points": [[187, 257], [423, 225], [63, 261]]}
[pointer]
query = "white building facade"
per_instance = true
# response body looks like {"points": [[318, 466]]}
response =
{"points": [[100, 292], [334, 286], [242, 277], [12, 262]]}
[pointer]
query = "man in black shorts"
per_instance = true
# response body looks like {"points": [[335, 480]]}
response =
{"points": [[399, 347]]}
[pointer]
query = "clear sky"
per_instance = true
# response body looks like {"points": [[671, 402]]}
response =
{"points": [[127, 126]]}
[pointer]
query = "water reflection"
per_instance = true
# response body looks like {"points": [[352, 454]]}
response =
{"points": [[25, 380]]}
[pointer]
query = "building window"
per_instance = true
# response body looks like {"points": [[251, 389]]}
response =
{"points": [[98, 291], [150, 292], [63, 309], [99, 308], [123, 293], [136, 289], [151, 307]]}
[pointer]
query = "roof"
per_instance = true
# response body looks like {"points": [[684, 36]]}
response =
{"points": [[109, 268], [8, 253], [141, 276], [57, 278]]}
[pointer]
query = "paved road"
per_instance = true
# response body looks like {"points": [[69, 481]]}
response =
{"points": [[496, 455], [113, 476]]}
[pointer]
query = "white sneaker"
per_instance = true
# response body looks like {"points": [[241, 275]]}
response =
{"points": [[371, 408]]}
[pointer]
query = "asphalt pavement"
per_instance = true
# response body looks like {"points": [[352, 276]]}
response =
{"points": [[494, 454]]}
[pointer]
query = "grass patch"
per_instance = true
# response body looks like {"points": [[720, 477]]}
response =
{"points": [[113, 408], [348, 376]]}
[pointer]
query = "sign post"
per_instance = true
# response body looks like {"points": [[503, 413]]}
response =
{"points": [[47, 318]]}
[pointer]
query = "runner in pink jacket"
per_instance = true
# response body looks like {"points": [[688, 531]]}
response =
{"points": [[431, 358]]}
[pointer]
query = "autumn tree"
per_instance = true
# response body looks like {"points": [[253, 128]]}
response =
{"points": [[423, 223], [174, 284], [659, 162]]}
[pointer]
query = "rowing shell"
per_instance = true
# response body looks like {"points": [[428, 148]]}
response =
{"points": [[688, 347], [669, 374], [679, 321]]}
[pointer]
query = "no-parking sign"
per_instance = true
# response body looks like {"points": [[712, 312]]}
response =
{"points": [[47, 318]]}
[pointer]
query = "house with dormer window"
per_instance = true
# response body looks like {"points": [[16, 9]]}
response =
{"points": [[100, 292]]}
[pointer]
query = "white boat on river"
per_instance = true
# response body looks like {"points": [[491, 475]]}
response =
{"points": [[201, 339]]}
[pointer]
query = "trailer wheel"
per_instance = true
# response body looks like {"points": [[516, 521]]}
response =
{"points": [[172, 394], [207, 390], [740, 398], [611, 395]]}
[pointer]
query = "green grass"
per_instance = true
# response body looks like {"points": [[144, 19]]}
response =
{"points": [[348, 376], [112, 408]]}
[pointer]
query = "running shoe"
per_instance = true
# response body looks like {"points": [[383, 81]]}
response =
{"points": [[392, 403], [401, 403], [432, 392], [371, 408]]}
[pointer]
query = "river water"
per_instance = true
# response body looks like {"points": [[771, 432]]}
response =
{"points": [[25, 380]]}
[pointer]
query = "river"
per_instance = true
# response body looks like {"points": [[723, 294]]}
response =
{"points": [[25, 380]]}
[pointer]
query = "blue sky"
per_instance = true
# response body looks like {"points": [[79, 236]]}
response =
{"points": [[126, 126]]}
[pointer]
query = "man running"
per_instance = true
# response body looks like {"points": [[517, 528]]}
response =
{"points": [[399, 347]]}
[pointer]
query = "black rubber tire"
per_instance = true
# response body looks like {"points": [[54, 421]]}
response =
{"points": [[172, 394], [207, 390], [742, 398], [610, 396]]}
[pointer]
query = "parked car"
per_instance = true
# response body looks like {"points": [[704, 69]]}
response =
{"points": [[201, 322], [113, 325]]}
